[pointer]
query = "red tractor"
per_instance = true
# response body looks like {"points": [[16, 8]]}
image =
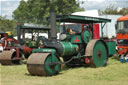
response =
{"points": [[5, 38]]}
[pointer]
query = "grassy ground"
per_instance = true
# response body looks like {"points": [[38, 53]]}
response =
{"points": [[115, 73]]}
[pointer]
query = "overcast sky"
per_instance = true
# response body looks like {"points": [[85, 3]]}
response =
{"points": [[8, 6]]}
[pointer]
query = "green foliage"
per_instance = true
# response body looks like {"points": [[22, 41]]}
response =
{"points": [[36, 11], [114, 10], [7, 25], [67, 6], [21, 13], [111, 10], [123, 11]]}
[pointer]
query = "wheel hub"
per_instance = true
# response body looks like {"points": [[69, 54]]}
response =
{"points": [[99, 54]]}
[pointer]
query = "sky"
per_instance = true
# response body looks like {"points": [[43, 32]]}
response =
{"points": [[102, 4], [8, 6]]}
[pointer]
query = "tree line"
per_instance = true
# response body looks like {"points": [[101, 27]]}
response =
{"points": [[112, 9], [7, 25], [36, 12]]}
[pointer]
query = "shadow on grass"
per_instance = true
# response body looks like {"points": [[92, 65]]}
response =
{"points": [[64, 68], [116, 57], [27, 74], [11, 65], [74, 67]]}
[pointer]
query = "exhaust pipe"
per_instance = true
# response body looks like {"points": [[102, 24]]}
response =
{"points": [[19, 32], [53, 22]]}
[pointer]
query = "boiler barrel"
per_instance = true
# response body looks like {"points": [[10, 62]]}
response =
{"points": [[68, 49]]}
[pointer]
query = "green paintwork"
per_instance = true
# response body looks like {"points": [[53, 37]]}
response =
{"points": [[51, 58], [76, 38], [32, 44], [81, 19], [111, 47], [99, 60], [69, 48], [86, 36], [53, 69], [68, 38], [44, 50]]}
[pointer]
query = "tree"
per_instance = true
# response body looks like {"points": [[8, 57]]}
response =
{"points": [[114, 10], [21, 13], [110, 10], [36, 11], [123, 11], [7, 25]]}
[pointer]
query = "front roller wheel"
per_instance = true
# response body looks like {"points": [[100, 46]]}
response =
{"points": [[97, 50], [43, 64], [8, 57]]}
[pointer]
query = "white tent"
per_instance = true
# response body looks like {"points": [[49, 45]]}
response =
{"points": [[91, 13]]}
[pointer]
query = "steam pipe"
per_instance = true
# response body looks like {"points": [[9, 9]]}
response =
{"points": [[18, 32], [53, 21]]}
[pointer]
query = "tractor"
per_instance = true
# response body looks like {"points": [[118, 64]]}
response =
{"points": [[4, 38], [75, 46], [15, 49]]}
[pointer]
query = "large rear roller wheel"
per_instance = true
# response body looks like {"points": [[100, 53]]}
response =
{"points": [[43, 64], [97, 50], [9, 57]]}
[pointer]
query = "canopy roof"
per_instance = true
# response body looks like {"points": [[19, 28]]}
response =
{"points": [[81, 19], [34, 28], [3, 33]]}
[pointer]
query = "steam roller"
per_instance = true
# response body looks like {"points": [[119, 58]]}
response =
{"points": [[9, 57], [45, 61], [76, 46]]}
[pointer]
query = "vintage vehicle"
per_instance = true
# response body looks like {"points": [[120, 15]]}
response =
{"points": [[76, 46], [122, 38], [14, 50]]}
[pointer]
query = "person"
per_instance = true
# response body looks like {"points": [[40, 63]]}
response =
{"points": [[3, 41], [0, 39], [124, 57], [41, 44], [9, 34], [1, 47], [70, 31], [0, 36]]}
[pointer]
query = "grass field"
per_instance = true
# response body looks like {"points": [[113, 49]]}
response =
{"points": [[115, 73]]}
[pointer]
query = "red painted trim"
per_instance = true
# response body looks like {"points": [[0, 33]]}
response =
{"points": [[76, 40], [87, 60], [81, 27]]}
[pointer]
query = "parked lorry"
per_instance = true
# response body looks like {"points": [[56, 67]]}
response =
{"points": [[122, 38]]}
